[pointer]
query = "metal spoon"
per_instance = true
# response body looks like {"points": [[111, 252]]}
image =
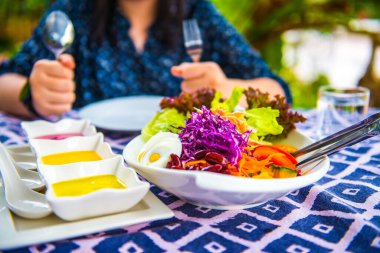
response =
{"points": [[58, 32], [20, 199]]}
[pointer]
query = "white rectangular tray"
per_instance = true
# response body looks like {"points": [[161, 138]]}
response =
{"points": [[16, 232]]}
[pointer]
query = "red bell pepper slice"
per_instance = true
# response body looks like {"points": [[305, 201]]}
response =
{"points": [[284, 159]]}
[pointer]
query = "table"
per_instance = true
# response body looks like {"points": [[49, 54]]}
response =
{"points": [[339, 213]]}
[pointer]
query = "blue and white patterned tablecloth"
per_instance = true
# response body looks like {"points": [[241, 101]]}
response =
{"points": [[339, 213]]}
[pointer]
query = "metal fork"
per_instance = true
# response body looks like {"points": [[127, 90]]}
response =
{"points": [[347, 137], [193, 39]]}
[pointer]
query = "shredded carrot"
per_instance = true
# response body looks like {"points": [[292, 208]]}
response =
{"points": [[286, 148], [236, 118], [264, 174], [253, 144], [249, 166]]}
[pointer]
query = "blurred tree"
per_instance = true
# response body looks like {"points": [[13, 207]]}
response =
{"points": [[370, 79], [17, 20], [263, 22]]}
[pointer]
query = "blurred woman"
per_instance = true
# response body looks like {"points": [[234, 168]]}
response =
{"points": [[126, 48]]}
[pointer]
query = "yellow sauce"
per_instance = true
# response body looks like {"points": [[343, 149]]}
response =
{"points": [[70, 157], [85, 185]]}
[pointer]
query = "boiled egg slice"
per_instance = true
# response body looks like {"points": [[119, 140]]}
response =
{"points": [[156, 152]]}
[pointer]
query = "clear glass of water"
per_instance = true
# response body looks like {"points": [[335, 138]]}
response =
{"points": [[340, 108]]}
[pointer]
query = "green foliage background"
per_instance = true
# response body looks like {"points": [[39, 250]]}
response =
{"points": [[263, 22]]}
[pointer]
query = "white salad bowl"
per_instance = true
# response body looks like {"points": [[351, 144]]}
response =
{"points": [[38, 128], [100, 202], [221, 191]]}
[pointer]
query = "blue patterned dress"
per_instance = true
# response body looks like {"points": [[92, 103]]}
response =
{"points": [[106, 71]]}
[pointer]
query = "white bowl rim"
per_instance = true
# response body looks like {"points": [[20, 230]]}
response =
{"points": [[211, 180]]}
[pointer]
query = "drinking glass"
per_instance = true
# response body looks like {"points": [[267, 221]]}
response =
{"points": [[340, 108]]}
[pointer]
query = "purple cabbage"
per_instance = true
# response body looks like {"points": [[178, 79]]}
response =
{"points": [[207, 131]]}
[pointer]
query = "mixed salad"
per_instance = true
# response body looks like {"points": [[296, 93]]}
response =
{"points": [[203, 132]]}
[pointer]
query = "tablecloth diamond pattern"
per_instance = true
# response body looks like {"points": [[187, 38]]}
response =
{"points": [[339, 213]]}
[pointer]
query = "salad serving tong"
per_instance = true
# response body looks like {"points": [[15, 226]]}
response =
{"points": [[351, 135]]}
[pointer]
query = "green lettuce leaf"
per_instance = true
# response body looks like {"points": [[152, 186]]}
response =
{"points": [[230, 103], [167, 120], [263, 120], [287, 119]]}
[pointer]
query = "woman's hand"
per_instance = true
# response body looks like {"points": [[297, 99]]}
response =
{"points": [[52, 85], [200, 75], [210, 75]]}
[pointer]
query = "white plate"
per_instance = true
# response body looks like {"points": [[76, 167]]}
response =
{"points": [[220, 191], [17, 232], [122, 114]]}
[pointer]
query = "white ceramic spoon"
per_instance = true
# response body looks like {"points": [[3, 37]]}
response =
{"points": [[25, 158], [26, 163], [20, 149], [30, 178], [20, 199]]}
